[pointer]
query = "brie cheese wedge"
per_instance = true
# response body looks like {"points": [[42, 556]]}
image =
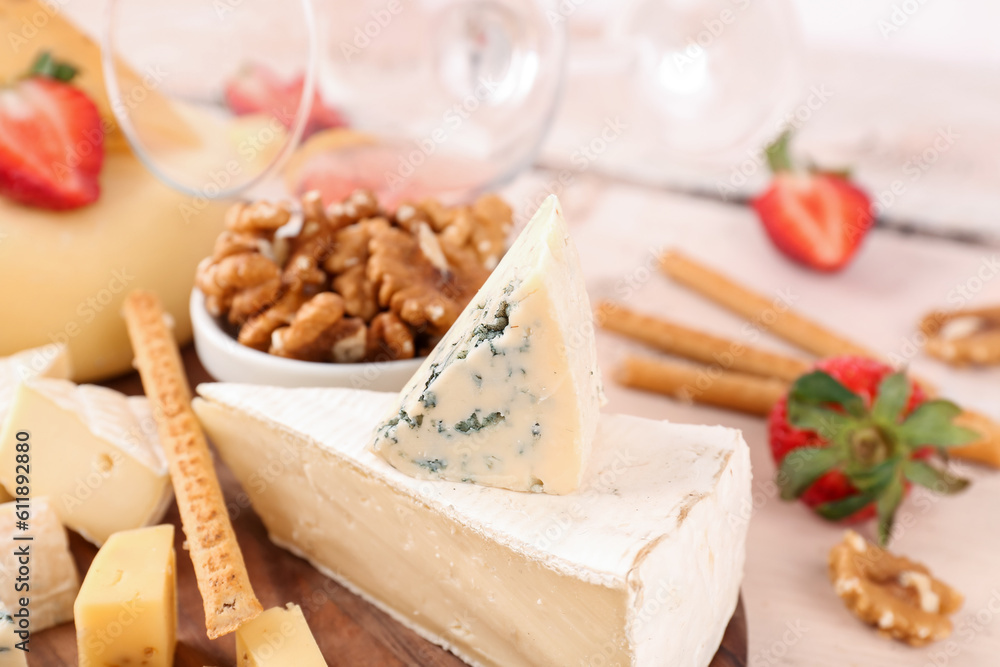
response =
{"points": [[641, 566]]}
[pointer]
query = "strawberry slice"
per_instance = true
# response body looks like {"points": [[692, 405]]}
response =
{"points": [[258, 89], [817, 218], [51, 140]]}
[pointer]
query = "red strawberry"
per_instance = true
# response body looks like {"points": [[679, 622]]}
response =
{"points": [[817, 218], [258, 89], [852, 436], [51, 140]]}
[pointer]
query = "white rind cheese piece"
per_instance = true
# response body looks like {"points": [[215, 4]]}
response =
{"points": [[641, 566], [52, 577], [46, 361], [10, 655], [94, 452], [510, 396]]}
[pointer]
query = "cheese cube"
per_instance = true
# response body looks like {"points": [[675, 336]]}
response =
{"points": [[10, 655], [641, 566], [511, 394], [278, 637], [51, 570], [126, 613], [93, 451]]}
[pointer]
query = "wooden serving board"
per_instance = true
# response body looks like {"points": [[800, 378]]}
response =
{"points": [[350, 632]]}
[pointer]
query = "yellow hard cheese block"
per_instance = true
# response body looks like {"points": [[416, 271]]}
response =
{"points": [[30, 27], [94, 451], [40, 569], [65, 275], [10, 655], [126, 613], [278, 637]]}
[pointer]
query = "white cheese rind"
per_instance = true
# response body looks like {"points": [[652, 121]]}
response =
{"points": [[94, 451], [46, 361], [510, 396], [10, 655], [641, 565], [53, 578]]}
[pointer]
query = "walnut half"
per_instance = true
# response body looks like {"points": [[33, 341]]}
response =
{"points": [[964, 337], [896, 595]]}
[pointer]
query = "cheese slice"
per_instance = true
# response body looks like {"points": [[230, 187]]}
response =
{"points": [[510, 396], [46, 361], [52, 580], [126, 613], [94, 451], [278, 637], [641, 566], [10, 655]]}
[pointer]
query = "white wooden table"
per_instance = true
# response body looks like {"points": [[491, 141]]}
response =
{"points": [[794, 616]]}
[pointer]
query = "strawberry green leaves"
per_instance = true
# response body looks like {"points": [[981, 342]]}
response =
{"points": [[47, 66], [935, 479], [931, 423], [877, 448], [803, 467]]}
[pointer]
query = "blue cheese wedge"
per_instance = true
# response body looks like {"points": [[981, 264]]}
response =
{"points": [[510, 396], [641, 566]]}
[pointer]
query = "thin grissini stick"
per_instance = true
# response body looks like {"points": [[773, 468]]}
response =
{"points": [[757, 395], [771, 314], [697, 345], [218, 562], [713, 386]]}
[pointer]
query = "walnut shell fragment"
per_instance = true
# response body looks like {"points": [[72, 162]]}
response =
{"points": [[897, 596], [963, 337]]}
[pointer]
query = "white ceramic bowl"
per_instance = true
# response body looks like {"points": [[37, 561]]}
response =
{"points": [[228, 361]]}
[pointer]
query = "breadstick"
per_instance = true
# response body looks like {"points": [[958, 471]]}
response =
{"points": [[770, 314], [218, 563], [697, 345], [713, 386], [985, 450]]}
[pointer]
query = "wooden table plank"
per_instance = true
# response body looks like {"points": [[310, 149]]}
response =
{"points": [[350, 632]]}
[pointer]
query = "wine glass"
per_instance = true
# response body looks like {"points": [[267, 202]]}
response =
{"points": [[212, 96], [714, 78], [443, 98]]}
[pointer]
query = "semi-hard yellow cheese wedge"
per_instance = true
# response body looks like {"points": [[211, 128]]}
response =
{"points": [[48, 578], [10, 654], [94, 451], [279, 637], [640, 567], [126, 613], [511, 395]]}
